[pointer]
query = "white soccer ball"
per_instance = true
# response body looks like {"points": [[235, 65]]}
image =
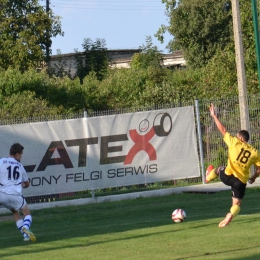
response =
{"points": [[178, 215]]}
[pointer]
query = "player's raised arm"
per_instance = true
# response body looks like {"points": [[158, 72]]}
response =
{"points": [[222, 129]]}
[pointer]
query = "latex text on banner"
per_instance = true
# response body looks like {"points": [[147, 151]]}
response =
{"points": [[109, 151]]}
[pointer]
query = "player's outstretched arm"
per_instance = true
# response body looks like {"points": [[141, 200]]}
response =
{"points": [[222, 129]]}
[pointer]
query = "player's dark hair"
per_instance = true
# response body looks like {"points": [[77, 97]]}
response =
{"points": [[16, 148], [244, 134]]}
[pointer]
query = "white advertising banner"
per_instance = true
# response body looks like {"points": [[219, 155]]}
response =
{"points": [[108, 151]]}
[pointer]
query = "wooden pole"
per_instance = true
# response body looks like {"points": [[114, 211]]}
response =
{"points": [[241, 76], [47, 33]]}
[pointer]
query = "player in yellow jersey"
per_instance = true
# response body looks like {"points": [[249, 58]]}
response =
{"points": [[241, 156]]}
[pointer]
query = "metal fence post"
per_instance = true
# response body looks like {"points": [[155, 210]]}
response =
{"points": [[85, 113], [93, 190], [200, 140]]}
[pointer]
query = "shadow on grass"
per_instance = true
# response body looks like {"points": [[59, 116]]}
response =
{"points": [[86, 221], [221, 253]]}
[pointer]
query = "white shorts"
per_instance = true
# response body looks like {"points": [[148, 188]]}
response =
{"points": [[12, 201]]}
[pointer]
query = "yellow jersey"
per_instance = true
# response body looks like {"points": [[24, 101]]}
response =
{"points": [[241, 156]]}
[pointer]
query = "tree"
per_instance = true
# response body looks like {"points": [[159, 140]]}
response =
{"points": [[93, 59], [61, 68], [26, 105], [220, 73], [149, 56], [25, 31], [193, 24], [199, 28]]}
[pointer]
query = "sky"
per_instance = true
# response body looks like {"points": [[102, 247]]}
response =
{"points": [[124, 24]]}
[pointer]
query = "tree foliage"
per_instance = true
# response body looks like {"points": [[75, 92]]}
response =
{"points": [[212, 74], [26, 105], [25, 31], [63, 94], [61, 68], [149, 56], [203, 30], [199, 28], [93, 59], [220, 74]]}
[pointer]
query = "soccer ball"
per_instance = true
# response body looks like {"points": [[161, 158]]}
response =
{"points": [[178, 215]]}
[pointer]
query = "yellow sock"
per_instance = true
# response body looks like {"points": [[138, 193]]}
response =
{"points": [[235, 209], [212, 175]]}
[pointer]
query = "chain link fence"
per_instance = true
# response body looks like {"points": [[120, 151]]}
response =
{"points": [[214, 148]]}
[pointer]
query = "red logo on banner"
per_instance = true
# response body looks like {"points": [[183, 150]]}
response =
{"points": [[141, 144]]}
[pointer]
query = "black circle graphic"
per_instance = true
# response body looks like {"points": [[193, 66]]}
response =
{"points": [[160, 128]]}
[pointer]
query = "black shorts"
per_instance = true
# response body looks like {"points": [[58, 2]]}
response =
{"points": [[238, 187]]}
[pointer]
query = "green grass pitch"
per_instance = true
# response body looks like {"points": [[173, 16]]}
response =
{"points": [[140, 229]]}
